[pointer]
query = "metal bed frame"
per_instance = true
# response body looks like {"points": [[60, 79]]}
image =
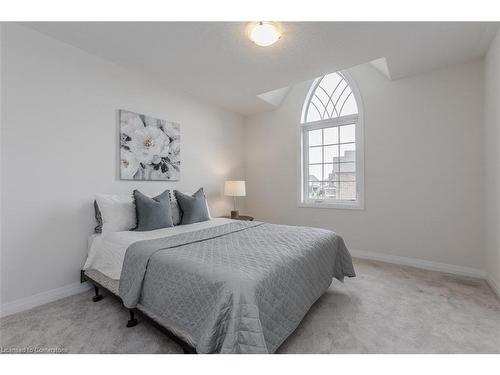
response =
{"points": [[132, 322]]}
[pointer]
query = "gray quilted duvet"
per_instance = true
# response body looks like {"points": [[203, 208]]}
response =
{"points": [[241, 287]]}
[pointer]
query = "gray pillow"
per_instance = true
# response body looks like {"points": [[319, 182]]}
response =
{"points": [[153, 213], [194, 208], [176, 211]]}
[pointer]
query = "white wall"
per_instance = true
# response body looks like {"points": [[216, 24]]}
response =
{"points": [[1, 130], [423, 168], [59, 147], [492, 164]]}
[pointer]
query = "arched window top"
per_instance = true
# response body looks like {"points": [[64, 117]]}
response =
{"points": [[330, 96]]}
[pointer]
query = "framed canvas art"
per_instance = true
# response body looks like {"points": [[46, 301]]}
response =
{"points": [[149, 148]]}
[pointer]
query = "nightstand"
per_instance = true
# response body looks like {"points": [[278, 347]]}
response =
{"points": [[241, 217]]}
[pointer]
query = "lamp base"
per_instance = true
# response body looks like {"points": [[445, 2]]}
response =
{"points": [[235, 214]]}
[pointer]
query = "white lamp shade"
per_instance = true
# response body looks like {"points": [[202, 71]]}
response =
{"points": [[234, 188]]}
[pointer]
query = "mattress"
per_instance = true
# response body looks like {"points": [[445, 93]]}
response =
{"points": [[107, 251]]}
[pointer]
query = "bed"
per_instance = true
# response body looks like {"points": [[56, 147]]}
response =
{"points": [[220, 286]]}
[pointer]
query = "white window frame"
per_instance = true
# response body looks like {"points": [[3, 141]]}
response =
{"points": [[303, 162]]}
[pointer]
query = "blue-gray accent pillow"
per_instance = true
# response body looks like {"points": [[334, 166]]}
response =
{"points": [[194, 208], [153, 213], [176, 211]]}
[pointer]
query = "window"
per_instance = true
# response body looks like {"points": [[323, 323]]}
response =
{"points": [[332, 144]]}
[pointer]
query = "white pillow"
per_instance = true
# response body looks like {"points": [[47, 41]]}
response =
{"points": [[117, 212]]}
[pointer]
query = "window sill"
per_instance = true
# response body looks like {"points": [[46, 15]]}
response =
{"points": [[339, 205]]}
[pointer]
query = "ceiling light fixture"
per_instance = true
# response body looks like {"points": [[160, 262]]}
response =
{"points": [[264, 33]]}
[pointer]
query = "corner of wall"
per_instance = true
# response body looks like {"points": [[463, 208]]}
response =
{"points": [[1, 169], [491, 161]]}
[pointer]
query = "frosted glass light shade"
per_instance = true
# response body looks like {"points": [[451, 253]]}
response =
{"points": [[234, 188], [264, 34]]}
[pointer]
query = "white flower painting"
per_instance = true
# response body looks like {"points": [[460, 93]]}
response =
{"points": [[149, 148]]}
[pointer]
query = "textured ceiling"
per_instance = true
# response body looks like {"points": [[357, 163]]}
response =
{"points": [[215, 61]]}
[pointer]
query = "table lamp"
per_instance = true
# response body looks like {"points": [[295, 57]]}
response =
{"points": [[234, 189]]}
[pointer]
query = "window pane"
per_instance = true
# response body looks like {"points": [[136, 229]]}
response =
{"points": [[316, 190], [315, 172], [321, 98], [347, 190], [331, 135], [315, 155], [350, 107], [330, 172], [315, 137], [331, 82], [331, 190], [312, 113], [348, 152], [319, 101], [330, 108], [347, 172], [330, 154], [348, 133]]}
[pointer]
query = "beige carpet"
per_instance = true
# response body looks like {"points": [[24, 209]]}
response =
{"points": [[385, 309]]}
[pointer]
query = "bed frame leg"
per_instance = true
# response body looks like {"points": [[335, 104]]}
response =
{"points": [[97, 296], [133, 321], [188, 350]]}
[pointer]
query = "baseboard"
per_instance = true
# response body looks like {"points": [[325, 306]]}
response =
{"points": [[419, 263], [494, 286], [42, 298]]}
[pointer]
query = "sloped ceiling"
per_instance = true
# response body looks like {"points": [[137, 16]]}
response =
{"points": [[215, 61]]}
